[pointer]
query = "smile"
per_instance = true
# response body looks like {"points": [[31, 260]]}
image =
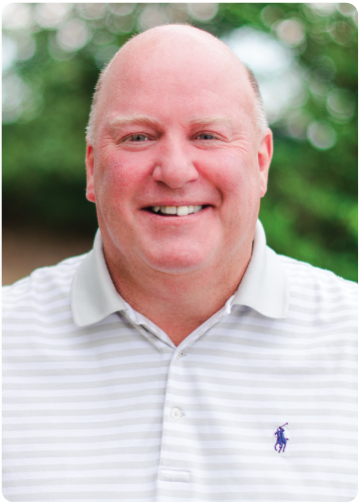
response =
{"points": [[176, 210]]}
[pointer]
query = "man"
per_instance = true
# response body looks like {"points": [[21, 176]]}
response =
{"points": [[158, 366]]}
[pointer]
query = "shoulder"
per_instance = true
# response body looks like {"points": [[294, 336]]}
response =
{"points": [[320, 287], [304, 273], [41, 286]]}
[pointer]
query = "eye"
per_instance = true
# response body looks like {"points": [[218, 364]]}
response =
{"points": [[138, 137], [205, 136]]}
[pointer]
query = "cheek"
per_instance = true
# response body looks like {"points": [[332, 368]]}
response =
{"points": [[230, 173], [237, 179], [116, 176]]}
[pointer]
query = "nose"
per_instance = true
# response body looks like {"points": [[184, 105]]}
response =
{"points": [[174, 164]]}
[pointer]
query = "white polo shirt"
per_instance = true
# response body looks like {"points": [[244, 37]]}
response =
{"points": [[99, 405]]}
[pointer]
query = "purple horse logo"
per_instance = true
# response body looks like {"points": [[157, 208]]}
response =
{"points": [[280, 438]]}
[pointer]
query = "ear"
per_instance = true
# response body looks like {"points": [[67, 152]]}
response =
{"points": [[89, 161], [265, 153]]}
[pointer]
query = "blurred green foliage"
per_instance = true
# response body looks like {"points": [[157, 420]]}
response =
{"points": [[310, 211]]}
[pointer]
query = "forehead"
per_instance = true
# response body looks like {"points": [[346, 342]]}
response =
{"points": [[176, 73]]}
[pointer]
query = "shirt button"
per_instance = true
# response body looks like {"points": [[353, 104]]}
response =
{"points": [[175, 413]]}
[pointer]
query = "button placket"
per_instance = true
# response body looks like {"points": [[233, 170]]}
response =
{"points": [[172, 473]]}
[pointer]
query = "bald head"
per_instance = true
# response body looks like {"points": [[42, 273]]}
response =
{"points": [[164, 44]]}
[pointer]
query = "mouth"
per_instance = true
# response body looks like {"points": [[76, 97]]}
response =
{"points": [[175, 210]]}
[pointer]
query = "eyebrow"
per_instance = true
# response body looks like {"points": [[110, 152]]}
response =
{"points": [[118, 122], [206, 121], [140, 119]]}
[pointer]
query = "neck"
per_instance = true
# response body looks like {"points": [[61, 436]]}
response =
{"points": [[178, 303]]}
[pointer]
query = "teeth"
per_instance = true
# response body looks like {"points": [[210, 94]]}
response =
{"points": [[170, 210], [180, 210]]}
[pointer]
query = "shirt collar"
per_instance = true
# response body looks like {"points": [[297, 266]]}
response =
{"points": [[264, 286]]}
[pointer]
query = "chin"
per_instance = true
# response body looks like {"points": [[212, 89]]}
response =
{"points": [[176, 263]]}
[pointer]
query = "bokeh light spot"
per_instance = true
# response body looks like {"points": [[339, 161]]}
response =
{"points": [[291, 31], [297, 123], [151, 16], [270, 14], [18, 99], [120, 24], [91, 10], [202, 11], [342, 32], [73, 35], [17, 16], [346, 9], [323, 9], [321, 135], [341, 104], [51, 15], [9, 52], [324, 69], [121, 9], [25, 47], [355, 18]]}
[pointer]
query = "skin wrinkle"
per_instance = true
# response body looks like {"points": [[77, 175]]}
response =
{"points": [[157, 129], [120, 122], [164, 266]]}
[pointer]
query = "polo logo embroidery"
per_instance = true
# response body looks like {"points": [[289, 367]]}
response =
{"points": [[280, 438]]}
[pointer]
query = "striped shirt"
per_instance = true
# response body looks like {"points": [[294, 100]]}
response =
{"points": [[257, 404]]}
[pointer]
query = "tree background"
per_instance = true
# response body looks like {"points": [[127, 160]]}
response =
{"points": [[52, 57]]}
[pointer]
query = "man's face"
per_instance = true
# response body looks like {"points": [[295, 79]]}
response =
{"points": [[178, 167]]}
